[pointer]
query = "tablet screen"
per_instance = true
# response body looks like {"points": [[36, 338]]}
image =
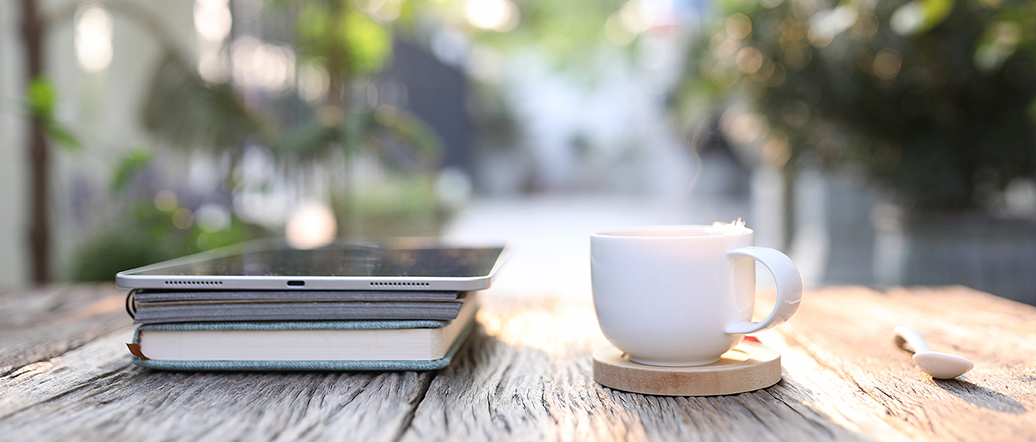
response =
{"points": [[342, 260]]}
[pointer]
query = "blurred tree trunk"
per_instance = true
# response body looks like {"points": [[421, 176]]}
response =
{"points": [[39, 218], [338, 68]]}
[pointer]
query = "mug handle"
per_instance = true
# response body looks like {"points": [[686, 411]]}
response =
{"points": [[789, 288]]}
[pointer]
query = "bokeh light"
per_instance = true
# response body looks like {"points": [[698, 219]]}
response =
{"points": [[738, 26], [263, 65], [384, 11], [887, 64], [165, 200], [312, 225], [314, 82], [183, 218], [212, 217], [494, 15], [212, 19], [749, 60], [908, 19], [93, 37]]}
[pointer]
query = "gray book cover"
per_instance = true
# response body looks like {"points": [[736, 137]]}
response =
{"points": [[150, 307], [292, 295], [152, 313]]}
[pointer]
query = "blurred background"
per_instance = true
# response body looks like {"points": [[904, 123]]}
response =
{"points": [[878, 142]]}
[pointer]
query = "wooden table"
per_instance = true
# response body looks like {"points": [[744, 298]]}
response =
{"points": [[525, 374]]}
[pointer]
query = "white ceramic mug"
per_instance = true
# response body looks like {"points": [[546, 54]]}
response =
{"points": [[684, 295]]}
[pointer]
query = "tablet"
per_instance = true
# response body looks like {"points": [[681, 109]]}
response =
{"points": [[411, 265]]}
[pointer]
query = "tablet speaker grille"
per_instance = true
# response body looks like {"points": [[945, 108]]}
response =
{"points": [[399, 284], [185, 283]]}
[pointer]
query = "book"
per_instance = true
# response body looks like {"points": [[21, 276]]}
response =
{"points": [[151, 307], [303, 345]]}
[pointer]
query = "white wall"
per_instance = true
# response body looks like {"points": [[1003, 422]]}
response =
{"points": [[13, 239], [102, 109]]}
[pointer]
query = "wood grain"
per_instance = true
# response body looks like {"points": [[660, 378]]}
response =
{"points": [[848, 332], [134, 403], [526, 375], [748, 367], [40, 323], [39, 382], [92, 391]]}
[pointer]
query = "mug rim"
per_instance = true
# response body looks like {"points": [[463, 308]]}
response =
{"points": [[676, 231]]}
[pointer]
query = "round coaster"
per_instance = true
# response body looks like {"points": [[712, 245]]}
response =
{"points": [[749, 366]]}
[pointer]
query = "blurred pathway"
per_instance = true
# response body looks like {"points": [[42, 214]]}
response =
{"points": [[550, 236]]}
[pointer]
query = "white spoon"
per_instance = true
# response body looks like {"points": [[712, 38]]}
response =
{"points": [[938, 365]]}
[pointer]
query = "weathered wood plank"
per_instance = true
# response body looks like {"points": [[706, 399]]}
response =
{"points": [[41, 381], [68, 375], [848, 332], [135, 404], [95, 390], [527, 376], [41, 323]]}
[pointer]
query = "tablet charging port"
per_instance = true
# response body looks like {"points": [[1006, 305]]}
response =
{"points": [[296, 283]]}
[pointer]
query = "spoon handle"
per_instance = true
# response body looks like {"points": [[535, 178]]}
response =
{"points": [[912, 338]]}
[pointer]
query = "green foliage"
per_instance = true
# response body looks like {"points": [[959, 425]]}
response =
{"points": [[369, 129], [569, 32], [308, 140], [409, 129], [117, 250], [146, 235], [939, 114], [314, 22], [402, 206], [402, 197], [128, 166], [149, 230], [63, 136], [935, 11], [186, 112], [342, 38], [369, 43], [42, 100]]}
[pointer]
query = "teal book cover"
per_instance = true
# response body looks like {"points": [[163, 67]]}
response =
{"points": [[463, 328]]}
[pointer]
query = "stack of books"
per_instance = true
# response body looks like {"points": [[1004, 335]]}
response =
{"points": [[298, 329]]}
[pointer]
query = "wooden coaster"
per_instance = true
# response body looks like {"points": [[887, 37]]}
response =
{"points": [[749, 366]]}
